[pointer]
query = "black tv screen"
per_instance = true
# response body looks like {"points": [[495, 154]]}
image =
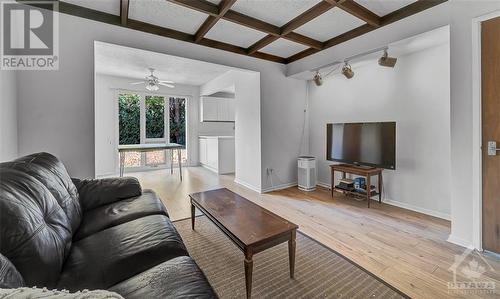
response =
{"points": [[366, 144]]}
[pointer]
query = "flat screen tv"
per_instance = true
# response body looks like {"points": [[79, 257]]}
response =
{"points": [[366, 144]]}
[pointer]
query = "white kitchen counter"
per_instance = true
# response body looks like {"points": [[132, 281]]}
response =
{"points": [[217, 153]]}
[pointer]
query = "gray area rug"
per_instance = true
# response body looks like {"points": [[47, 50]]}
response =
{"points": [[319, 271]]}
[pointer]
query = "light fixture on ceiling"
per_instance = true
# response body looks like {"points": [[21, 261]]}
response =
{"points": [[387, 61], [151, 86], [347, 70], [153, 83], [318, 80]]}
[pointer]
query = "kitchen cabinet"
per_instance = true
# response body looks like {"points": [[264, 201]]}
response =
{"points": [[217, 109], [216, 153]]}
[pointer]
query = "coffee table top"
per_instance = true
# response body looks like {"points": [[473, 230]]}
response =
{"points": [[248, 222]]}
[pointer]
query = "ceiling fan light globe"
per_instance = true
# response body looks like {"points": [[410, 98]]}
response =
{"points": [[152, 87]]}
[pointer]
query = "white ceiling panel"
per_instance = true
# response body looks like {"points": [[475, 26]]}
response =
{"points": [[216, 2], [330, 24], [166, 14], [133, 63], [383, 7], [276, 12], [109, 6], [235, 34], [283, 48]]}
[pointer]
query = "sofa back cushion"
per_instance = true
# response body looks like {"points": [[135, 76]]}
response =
{"points": [[51, 172], [35, 233], [9, 276]]}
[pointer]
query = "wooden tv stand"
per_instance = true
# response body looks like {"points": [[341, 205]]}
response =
{"points": [[361, 171]]}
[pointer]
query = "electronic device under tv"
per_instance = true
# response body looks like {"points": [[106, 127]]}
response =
{"points": [[371, 144]]}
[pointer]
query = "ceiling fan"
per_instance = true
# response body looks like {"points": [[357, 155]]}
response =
{"points": [[153, 83]]}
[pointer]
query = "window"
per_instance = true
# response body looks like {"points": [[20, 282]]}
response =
{"points": [[155, 117], [147, 118], [177, 124], [129, 118]]}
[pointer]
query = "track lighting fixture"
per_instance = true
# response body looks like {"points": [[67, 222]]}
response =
{"points": [[347, 71], [387, 61], [318, 80]]}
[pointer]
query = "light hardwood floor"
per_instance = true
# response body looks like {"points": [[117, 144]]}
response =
{"points": [[406, 249]]}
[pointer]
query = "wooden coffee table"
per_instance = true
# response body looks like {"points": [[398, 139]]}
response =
{"points": [[251, 227]]}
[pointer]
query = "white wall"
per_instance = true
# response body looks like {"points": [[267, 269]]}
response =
{"points": [[56, 109], [247, 140], [416, 95], [463, 218], [459, 14], [8, 116]]}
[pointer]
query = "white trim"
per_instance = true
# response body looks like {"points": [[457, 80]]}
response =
{"points": [[325, 185], [460, 242], [279, 187], [212, 169], [403, 205], [247, 185], [477, 131], [411, 207]]}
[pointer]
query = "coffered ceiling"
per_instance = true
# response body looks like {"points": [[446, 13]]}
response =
{"points": [[277, 30]]}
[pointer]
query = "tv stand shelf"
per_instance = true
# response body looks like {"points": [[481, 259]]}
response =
{"points": [[361, 171]]}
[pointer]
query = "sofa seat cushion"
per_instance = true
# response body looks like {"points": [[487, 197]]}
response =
{"points": [[120, 252], [119, 212], [177, 278]]}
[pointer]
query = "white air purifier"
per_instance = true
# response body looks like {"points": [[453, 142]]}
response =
{"points": [[307, 173]]}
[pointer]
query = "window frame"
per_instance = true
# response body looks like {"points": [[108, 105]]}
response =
{"points": [[166, 138]]}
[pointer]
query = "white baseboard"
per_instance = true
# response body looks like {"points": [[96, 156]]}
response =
{"points": [[460, 242], [405, 206], [247, 185], [325, 185], [279, 187], [417, 209]]}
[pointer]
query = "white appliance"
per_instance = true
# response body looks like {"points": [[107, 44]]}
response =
{"points": [[307, 173]]}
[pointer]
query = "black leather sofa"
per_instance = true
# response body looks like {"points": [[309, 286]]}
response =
{"points": [[64, 233]]}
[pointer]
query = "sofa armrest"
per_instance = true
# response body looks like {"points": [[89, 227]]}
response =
{"points": [[98, 192]]}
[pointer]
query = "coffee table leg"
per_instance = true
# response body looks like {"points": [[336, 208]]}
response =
{"points": [[291, 253], [192, 215], [248, 273]]}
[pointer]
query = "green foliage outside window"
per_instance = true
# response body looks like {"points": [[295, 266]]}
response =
{"points": [[177, 107], [155, 117], [129, 118]]}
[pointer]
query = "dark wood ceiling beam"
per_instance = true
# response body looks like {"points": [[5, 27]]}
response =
{"points": [[262, 43], [224, 6], [199, 5], [124, 5], [360, 12], [304, 40], [99, 16], [301, 55], [395, 16], [307, 16], [250, 22], [409, 10], [239, 50], [247, 21]]}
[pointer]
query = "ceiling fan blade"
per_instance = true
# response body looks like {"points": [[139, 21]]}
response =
{"points": [[167, 85], [135, 83], [165, 81]]}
